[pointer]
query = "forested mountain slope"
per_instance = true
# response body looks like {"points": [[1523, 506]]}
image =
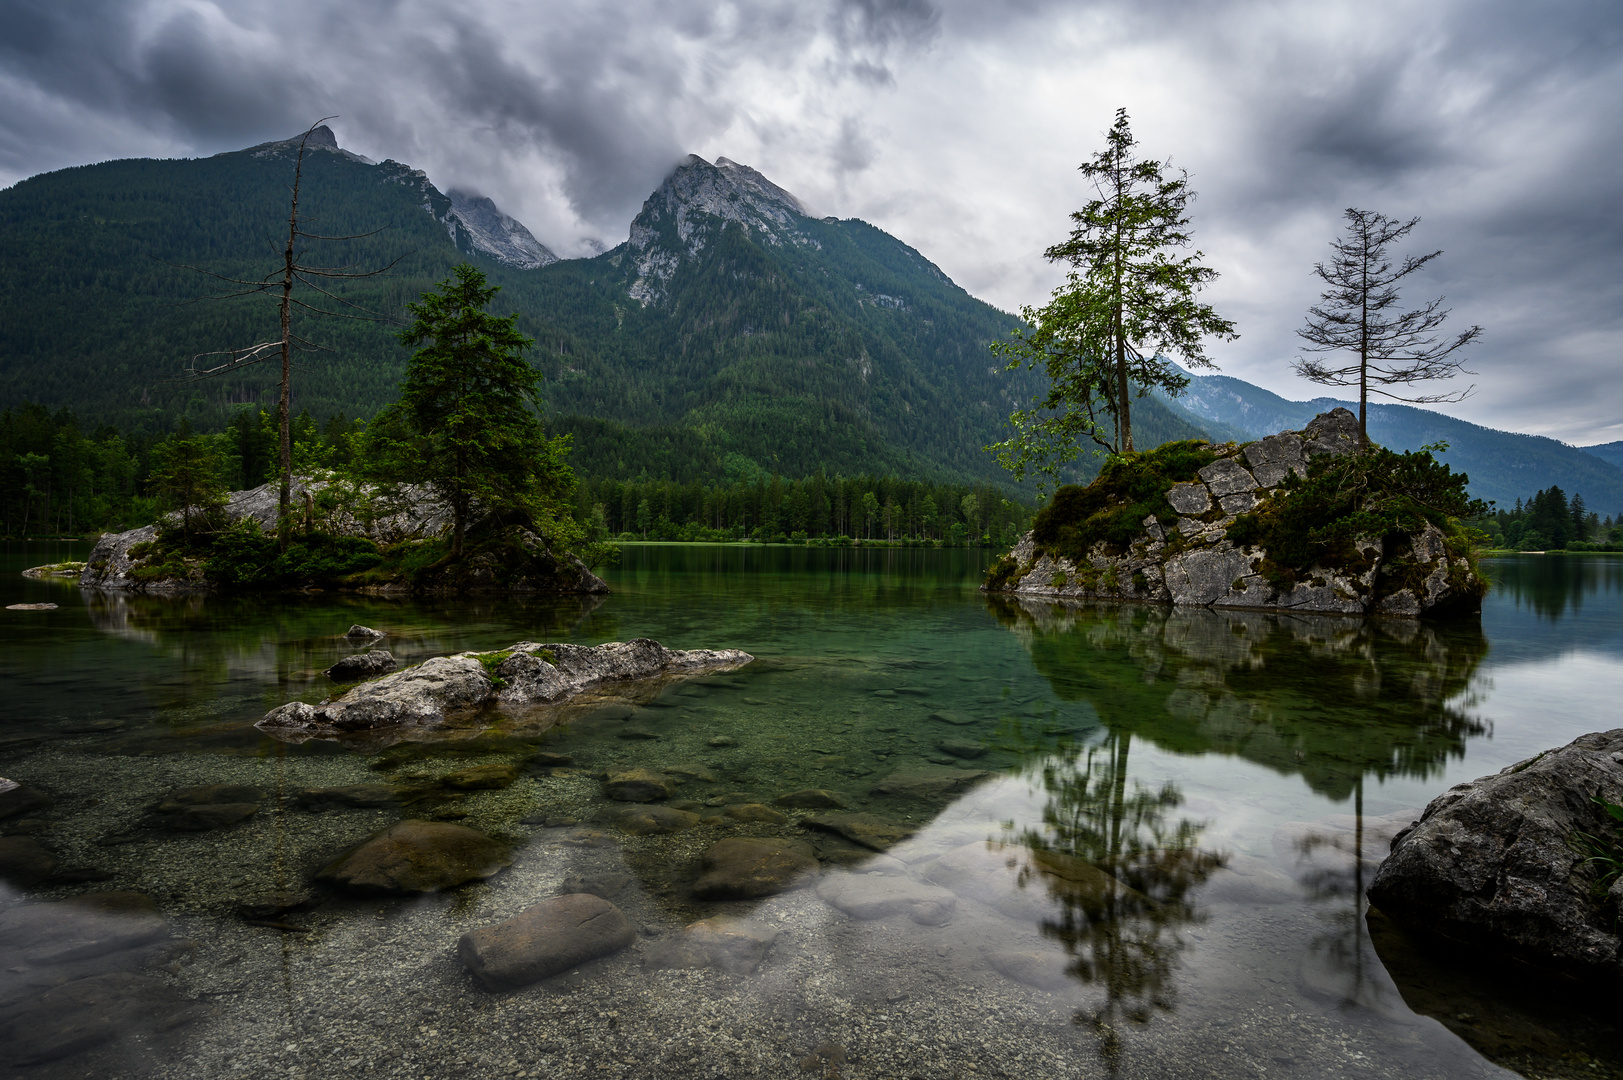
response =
{"points": [[730, 335]]}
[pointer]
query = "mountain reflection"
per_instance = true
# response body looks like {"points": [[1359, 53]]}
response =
{"points": [[1328, 699]]}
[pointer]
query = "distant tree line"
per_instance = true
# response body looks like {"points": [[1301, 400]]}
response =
{"points": [[1550, 521], [816, 509], [59, 480]]}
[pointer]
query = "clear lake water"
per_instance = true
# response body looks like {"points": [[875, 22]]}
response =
{"points": [[1231, 778]]}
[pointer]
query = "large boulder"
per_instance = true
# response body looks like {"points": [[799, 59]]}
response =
{"points": [[1499, 863], [417, 857], [547, 939]]}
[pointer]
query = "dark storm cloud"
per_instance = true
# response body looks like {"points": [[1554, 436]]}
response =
{"points": [[955, 124]]}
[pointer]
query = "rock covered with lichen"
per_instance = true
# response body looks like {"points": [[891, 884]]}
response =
{"points": [[1208, 506]]}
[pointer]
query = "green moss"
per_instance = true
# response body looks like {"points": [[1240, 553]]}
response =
{"points": [[1058, 580], [1001, 574], [1112, 509], [492, 660], [549, 656]]}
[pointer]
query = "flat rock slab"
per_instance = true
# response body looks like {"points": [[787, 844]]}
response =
{"points": [[1491, 863], [211, 794], [1043, 969], [956, 719], [927, 782], [84, 1013], [755, 813], [207, 817], [481, 777], [357, 796], [743, 868], [812, 799], [654, 820], [875, 896], [638, 785], [367, 665], [869, 830], [417, 857], [547, 939], [81, 928], [608, 884], [962, 748], [25, 862], [17, 799], [736, 946]]}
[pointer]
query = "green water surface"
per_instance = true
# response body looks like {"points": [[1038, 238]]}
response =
{"points": [[1238, 773]]}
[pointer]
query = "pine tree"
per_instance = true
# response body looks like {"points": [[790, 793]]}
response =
{"points": [[1128, 300]]}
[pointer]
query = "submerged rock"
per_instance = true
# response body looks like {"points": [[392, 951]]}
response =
{"points": [[481, 777], [735, 946], [547, 939], [743, 868], [812, 799], [200, 809], [869, 830], [358, 796], [927, 782], [417, 857], [1499, 862], [654, 820], [81, 928], [25, 862], [874, 896], [530, 674], [17, 798], [637, 785], [367, 665]]}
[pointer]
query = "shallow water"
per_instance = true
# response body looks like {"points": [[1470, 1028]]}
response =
{"points": [[1238, 776]]}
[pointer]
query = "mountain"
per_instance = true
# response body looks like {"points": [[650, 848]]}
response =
{"points": [[731, 334], [1611, 451], [1504, 466]]}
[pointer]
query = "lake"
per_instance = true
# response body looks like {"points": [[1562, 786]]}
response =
{"points": [[1116, 840]]}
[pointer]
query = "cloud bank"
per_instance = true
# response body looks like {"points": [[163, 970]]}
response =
{"points": [[957, 126]]}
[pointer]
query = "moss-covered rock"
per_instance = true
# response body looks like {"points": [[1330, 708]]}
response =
{"points": [[1303, 521]]}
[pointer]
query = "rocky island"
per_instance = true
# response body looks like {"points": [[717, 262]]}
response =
{"points": [[1299, 521], [348, 538]]}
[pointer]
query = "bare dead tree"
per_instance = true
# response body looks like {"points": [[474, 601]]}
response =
{"points": [[292, 270], [1359, 315]]}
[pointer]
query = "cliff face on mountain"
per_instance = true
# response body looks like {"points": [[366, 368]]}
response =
{"points": [[1204, 552]]}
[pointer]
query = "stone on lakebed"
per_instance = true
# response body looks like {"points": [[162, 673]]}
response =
{"points": [[547, 939], [417, 857]]}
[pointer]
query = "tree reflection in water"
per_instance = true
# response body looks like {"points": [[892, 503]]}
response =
{"points": [[1330, 700]]}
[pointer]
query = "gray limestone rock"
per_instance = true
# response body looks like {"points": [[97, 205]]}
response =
{"points": [[1190, 498], [367, 665], [1275, 457], [1225, 476], [362, 634], [1492, 862], [1334, 433], [1204, 576], [1240, 502], [547, 939]]}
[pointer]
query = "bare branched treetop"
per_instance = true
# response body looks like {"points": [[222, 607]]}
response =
{"points": [[1358, 314], [290, 270]]}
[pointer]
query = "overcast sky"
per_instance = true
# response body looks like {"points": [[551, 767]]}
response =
{"points": [[956, 125]]}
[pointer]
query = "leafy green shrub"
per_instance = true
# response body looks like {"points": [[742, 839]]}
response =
{"points": [[997, 578], [1129, 489]]}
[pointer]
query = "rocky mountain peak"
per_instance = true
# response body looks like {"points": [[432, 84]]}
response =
{"points": [[677, 220], [491, 231], [321, 137]]}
